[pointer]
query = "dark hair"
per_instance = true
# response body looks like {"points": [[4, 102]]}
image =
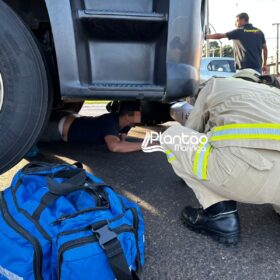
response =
{"points": [[271, 80], [129, 107], [243, 16], [123, 107], [113, 106]]}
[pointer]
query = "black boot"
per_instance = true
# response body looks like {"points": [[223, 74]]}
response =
{"points": [[220, 221]]}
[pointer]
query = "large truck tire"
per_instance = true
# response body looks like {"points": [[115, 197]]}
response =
{"points": [[23, 89]]}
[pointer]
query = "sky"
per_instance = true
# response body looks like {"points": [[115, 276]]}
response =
{"points": [[262, 13]]}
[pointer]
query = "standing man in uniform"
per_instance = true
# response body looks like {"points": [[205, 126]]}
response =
{"points": [[249, 44], [240, 158]]}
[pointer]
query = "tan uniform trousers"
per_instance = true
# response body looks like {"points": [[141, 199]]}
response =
{"points": [[233, 173]]}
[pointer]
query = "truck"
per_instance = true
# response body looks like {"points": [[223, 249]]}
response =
{"points": [[58, 53]]}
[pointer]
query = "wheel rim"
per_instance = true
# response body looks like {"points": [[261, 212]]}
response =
{"points": [[1, 92]]}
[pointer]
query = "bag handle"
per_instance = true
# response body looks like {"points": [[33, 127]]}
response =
{"points": [[38, 166], [49, 198], [70, 185]]}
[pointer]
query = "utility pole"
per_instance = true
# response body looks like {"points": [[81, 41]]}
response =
{"points": [[221, 48], [207, 27], [277, 48]]}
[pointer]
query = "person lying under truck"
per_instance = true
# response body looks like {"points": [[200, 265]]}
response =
{"points": [[232, 152], [110, 129]]}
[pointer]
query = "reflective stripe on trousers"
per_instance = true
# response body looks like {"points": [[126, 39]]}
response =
{"points": [[201, 161], [261, 131]]}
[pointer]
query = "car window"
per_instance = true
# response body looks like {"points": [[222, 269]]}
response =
{"points": [[222, 66]]}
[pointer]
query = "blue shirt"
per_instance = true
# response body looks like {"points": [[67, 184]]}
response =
{"points": [[94, 129], [247, 43]]}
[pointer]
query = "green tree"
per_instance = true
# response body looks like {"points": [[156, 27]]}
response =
{"points": [[228, 51], [215, 45]]}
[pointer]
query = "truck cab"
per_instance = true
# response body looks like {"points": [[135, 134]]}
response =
{"points": [[59, 53]]}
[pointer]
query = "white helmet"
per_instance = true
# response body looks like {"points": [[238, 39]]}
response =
{"points": [[248, 74]]}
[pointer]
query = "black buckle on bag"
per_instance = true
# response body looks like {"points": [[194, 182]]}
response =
{"points": [[111, 245], [105, 235]]}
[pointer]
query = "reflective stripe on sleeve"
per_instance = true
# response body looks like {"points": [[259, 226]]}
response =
{"points": [[261, 131], [170, 156]]}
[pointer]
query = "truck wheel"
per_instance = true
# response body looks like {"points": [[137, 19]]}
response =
{"points": [[23, 89]]}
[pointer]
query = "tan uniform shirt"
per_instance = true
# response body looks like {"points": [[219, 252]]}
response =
{"points": [[232, 101]]}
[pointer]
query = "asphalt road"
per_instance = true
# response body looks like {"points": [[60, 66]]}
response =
{"points": [[172, 251]]}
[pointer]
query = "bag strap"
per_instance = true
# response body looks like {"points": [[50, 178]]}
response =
{"points": [[38, 166], [110, 243], [49, 198], [76, 180]]}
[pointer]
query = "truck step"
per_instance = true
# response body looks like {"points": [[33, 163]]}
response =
{"points": [[130, 87], [126, 16], [114, 87]]}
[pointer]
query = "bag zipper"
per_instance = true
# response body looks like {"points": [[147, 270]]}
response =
{"points": [[89, 227], [93, 195], [99, 192], [98, 198], [85, 240], [102, 199], [66, 217], [37, 258]]}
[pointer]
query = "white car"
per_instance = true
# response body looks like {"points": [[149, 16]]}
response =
{"points": [[216, 67]]}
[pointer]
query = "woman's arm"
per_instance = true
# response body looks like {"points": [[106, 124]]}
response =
{"points": [[116, 145]]}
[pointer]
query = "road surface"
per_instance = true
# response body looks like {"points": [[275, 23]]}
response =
{"points": [[172, 251]]}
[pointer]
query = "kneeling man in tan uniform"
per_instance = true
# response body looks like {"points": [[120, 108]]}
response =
{"points": [[230, 152]]}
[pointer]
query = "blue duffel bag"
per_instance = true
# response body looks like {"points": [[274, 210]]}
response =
{"points": [[61, 222]]}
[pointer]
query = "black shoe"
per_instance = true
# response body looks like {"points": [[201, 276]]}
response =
{"points": [[220, 221]]}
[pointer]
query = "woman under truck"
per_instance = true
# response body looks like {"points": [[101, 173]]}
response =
{"points": [[110, 129]]}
